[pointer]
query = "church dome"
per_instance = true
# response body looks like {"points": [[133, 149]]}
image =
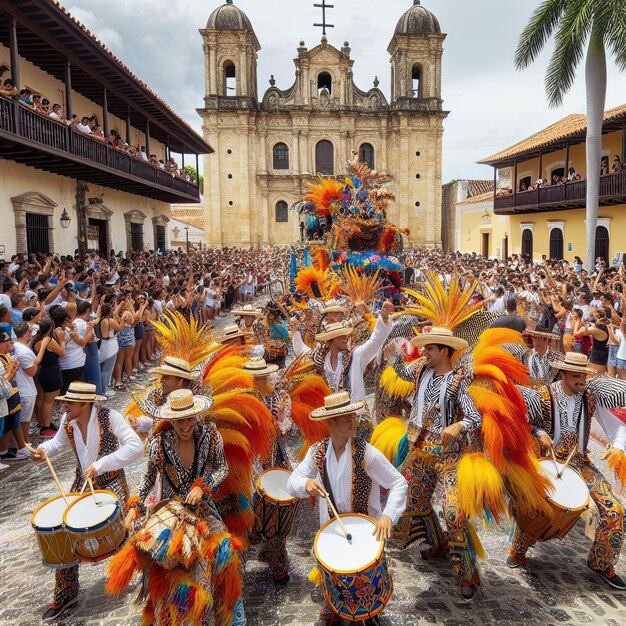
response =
{"points": [[229, 17], [418, 21]]}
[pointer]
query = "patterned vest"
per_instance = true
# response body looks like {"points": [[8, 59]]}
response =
{"points": [[319, 359], [361, 482], [547, 412], [107, 445]]}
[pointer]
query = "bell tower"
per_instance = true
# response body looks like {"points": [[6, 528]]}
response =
{"points": [[230, 59], [416, 50]]}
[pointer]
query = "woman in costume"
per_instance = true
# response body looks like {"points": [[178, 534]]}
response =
{"points": [[190, 563]]}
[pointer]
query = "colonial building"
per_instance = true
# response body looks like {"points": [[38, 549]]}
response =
{"points": [[550, 219], [62, 189], [267, 148]]}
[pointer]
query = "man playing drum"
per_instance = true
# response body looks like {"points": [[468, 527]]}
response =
{"points": [[561, 415], [441, 413], [350, 471], [103, 444]]}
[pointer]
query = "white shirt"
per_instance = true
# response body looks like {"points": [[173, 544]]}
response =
{"points": [[621, 352], [54, 115], [361, 358], [25, 383], [83, 129], [339, 473], [130, 448], [74, 354]]}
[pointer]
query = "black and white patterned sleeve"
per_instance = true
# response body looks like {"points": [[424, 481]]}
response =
{"points": [[609, 393], [217, 467], [472, 419], [532, 401]]}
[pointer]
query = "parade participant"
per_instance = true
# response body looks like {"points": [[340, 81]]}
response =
{"points": [[186, 464], [562, 415], [349, 471], [442, 411], [103, 444], [342, 367], [538, 359], [247, 316]]}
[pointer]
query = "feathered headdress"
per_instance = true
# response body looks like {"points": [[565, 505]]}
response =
{"points": [[359, 286], [318, 283], [324, 195]]}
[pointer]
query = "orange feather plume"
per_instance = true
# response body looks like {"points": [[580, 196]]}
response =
{"points": [[328, 282], [324, 195]]}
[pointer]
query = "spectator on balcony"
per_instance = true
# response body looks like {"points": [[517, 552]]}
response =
{"points": [[617, 164], [26, 99], [36, 98], [522, 186], [56, 113], [604, 166], [153, 160], [578, 177], [8, 88], [83, 126], [144, 156], [571, 175]]}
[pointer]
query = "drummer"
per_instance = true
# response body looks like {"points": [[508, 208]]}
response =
{"points": [[351, 471], [103, 443], [538, 359], [562, 415]]}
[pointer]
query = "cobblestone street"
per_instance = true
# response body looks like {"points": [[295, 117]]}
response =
{"points": [[555, 588]]}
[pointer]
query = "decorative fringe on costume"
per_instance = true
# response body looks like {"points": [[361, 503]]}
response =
{"points": [[388, 437], [480, 488], [315, 577], [396, 388], [475, 542], [616, 460]]}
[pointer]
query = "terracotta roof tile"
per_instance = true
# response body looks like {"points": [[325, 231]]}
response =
{"points": [[574, 125], [194, 216], [478, 187], [488, 195]]}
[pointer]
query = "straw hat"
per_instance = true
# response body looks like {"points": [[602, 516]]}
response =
{"points": [[181, 404], [573, 362], [439, 335], [249, 311], [258, 367], [541, 332], [333, 306], [336, 404], [232, 332], [81, 392], [173, 366], [338, 329]]}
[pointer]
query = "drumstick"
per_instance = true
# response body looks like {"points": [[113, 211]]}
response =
{"points": [[341, 524], [569, 458], [556, 465], [83, 487], [56, 479], [93, 493]]}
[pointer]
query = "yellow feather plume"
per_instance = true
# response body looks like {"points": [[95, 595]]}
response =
{"points": [[359, 286], [444, 307], [528, 489], [480, 485], [397, 388], [479, 550], [184, 339], [387, 435], [316, 577]]}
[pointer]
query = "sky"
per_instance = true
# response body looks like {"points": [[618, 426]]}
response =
{"points": [[491, 105]]}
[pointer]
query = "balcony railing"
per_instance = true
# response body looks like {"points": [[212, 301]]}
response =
{"points": [[24, 123], [569, 195]]}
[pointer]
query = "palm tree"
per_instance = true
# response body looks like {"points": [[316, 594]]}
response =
{"points": [[599, 25]]}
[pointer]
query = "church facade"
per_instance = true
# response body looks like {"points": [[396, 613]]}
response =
{"points": [[268, 148]]}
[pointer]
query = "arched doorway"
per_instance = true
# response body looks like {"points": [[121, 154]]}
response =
{"points": [[527, 244], [556, 244], [366, 155], [602, 243]]}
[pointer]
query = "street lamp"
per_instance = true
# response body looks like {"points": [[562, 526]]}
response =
{"points": [[187, 237], [65, 219]]}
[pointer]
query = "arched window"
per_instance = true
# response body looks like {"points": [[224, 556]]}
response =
{"points": [[416, 81], [230, 79], [602, 243], [324, 81], [281, 156], [366, 154], [527, 244], [325, 158], [282, 211], [556, 244]]}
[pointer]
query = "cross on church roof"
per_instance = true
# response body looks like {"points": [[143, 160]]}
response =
{"points": [[324, 25]]}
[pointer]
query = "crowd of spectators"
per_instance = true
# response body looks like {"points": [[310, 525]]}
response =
{"points": [[63, 319], [88, 125]]}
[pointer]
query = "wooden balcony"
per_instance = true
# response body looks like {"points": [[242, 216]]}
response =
{"points": [[562, 197], [42, 142]]}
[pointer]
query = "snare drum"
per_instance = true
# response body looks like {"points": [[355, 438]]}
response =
{"points": [[54, 541], [357, 584], [567, 501], [96, 526], [274, 507]]}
